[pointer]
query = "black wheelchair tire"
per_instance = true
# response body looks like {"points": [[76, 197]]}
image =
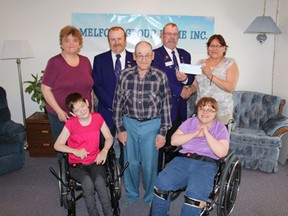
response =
{"points": [[230, 182], [62, 188], [117, 179]]}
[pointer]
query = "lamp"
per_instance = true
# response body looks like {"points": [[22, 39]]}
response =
{"points": [[17, 49], [263, 25]]}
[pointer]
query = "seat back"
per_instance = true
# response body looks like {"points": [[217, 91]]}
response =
{"points": [[253, 109], [5, 114]]}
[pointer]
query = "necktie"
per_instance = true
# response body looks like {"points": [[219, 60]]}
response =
{"points": [[175, 62], [118, 65]]}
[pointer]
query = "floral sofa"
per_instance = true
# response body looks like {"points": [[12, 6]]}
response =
{"points": [[257, 129]]}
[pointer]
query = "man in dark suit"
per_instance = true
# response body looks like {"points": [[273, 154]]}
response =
{"points": [[106, 70], [167, 58]]}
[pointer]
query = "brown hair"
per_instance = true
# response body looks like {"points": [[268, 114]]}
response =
{"points": [[72, 98], [117, 28], [67, 30], [220, 39], [207, 101]]}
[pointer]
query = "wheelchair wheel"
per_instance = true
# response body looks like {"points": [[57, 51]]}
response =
{"points": [[114, 184], [229, 186], [117, 179], [62, 188]]}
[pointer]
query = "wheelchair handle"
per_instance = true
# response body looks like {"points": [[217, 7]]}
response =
{"points": [[57, 177], [123, 169]]}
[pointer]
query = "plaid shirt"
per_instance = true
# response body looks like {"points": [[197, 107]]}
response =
{"points": [[142, 98]]}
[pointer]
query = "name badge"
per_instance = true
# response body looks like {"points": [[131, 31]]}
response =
{"points": [[170, 63]]}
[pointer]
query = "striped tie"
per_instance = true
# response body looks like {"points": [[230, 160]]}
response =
{"points": [[118, 66], [175, 62]]}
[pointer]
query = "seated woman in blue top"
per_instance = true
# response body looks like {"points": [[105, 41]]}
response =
{"points": [[203, 140]]}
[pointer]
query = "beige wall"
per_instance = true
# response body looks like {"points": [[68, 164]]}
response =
{"points": [[40, 22]]}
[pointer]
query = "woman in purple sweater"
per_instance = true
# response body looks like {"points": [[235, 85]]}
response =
{"points": [[204, 140]]}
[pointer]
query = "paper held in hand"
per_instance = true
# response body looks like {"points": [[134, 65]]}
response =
{"points": [[190, 69]]}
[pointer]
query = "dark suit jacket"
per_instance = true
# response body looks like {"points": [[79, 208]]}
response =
{"points": [[163, 62], [105, 82]]}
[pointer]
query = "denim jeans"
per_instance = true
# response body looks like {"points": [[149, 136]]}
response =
{"points": [[141, 153], [196, 175], [91, 178], [56, 128], [56, 125]]}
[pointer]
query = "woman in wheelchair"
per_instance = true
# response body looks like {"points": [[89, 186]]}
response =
{"points": [[203, 140], [86, 161]]}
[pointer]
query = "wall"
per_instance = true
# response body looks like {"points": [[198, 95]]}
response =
{"points": [[40, 22]]}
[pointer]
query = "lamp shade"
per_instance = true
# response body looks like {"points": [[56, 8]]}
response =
{"points": [[16, 49], [263, 24]]}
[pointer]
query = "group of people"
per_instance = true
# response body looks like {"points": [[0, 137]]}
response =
{"points": [[142, 99]]}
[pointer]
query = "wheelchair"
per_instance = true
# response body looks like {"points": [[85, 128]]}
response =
{"points": [[226, 182], [70, 190]]}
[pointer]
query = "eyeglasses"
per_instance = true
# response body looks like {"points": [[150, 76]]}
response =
{"points": [[146, 57], [206, 110], [215, 46], [170, 34]]}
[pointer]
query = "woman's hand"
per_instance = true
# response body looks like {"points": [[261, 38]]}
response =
{"points": [[81, 153], [101, 157], [62, 116], [207, 71]]}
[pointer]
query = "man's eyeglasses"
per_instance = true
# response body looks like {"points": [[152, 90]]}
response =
{"points": [[170, 33], [146, 57], [215, 45], [206, 110]]}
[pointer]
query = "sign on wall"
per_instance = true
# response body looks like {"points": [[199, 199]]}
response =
{"points": [[194, 31]]}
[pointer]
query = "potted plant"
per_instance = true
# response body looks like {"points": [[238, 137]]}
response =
{"points": [[34, 89]]}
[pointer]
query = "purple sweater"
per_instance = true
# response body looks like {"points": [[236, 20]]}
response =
{"points": [[65, 79], [199, 145]]}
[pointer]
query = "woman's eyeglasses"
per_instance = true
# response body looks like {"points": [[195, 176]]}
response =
{"points": [[206, 110], [215, 46]]}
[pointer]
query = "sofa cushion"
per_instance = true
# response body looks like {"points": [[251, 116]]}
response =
{"points": [[8, 146], [255, 149], [254, 137]]}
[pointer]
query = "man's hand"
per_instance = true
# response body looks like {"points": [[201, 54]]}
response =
{"points": [[122, 136], [186, 92], [181, 76], [160, 141]]}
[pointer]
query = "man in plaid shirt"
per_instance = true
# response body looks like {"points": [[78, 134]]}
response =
{"points": [[141, 107]]}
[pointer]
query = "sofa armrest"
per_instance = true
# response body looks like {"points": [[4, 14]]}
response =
{"points": [[13, 130], [276, 126]]}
